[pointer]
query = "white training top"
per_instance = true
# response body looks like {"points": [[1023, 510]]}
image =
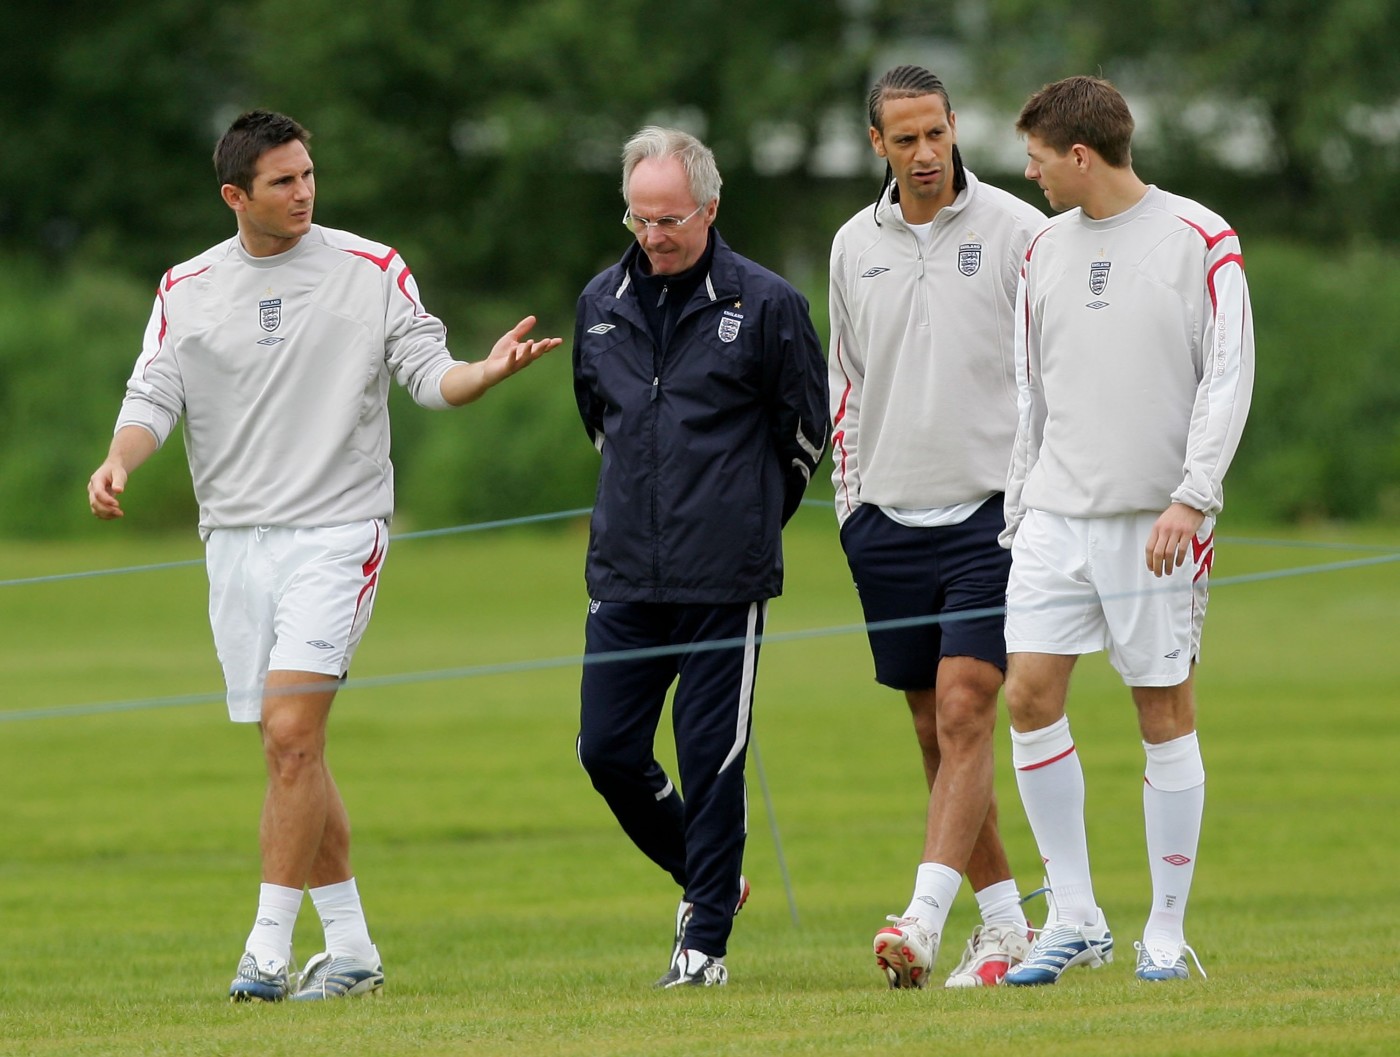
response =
{"points": [[923, 385], [1135, 362], [280, 366]]}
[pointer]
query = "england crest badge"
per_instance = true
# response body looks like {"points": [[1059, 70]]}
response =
{"points": [[729, 325], [969, 257], [1098, 276], [270, 313]]}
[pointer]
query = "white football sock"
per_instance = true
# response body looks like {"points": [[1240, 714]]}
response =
{"points": [[1051, 780], [1173, 800], [935, 885], [271, 938], [343, 919], [1000, 904]]}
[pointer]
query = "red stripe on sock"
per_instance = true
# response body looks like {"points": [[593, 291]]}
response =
{"points": [[1046, 763]]}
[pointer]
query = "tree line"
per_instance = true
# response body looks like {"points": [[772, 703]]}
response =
{"points": [[482, 141]]}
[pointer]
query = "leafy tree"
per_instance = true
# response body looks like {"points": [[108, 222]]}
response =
{"points": [[488, 137], [482, 140], [483, 136], [107, 113], [1307, 90]]}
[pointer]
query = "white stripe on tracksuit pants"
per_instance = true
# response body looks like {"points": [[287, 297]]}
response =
{"points": [[699, 838]]}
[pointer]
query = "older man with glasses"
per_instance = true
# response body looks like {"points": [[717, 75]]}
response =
{"points": [[701, 382]]}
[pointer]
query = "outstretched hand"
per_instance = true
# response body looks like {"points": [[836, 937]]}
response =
{"points": [[467, 381], [514, 351]]}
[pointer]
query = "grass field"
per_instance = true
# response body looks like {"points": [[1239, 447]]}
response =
{"points": [[515, 918]]}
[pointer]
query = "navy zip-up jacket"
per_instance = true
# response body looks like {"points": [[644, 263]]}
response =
{"points": [[707, 445]]}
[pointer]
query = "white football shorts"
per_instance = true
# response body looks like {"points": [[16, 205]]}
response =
{"points": [[1080, 585], [289, 599]]}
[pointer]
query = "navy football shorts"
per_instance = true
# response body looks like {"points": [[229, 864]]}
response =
{"points": [[903, 573]]}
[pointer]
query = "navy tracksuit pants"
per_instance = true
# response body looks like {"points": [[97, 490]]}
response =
{"points": [[698, 838]]}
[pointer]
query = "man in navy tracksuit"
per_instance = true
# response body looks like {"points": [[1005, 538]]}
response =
{"points": [[701, 382]]}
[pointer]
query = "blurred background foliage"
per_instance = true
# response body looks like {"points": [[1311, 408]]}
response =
{"points": [[482, 141]]}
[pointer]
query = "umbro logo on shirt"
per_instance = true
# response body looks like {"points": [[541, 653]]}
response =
{"points": [[602, 328], [873, 272], [271, 341]]}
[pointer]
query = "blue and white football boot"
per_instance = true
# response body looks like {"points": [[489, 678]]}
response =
{"points": [[1159, 962], [1058, 947], [268, 981], [340, 977]]}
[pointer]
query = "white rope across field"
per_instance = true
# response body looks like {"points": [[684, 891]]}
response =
{"points": [[1385, 556]]}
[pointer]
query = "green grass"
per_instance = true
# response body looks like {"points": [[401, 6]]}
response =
{"points": [[516, 919]]}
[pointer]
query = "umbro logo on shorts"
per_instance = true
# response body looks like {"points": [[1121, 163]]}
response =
{"points": [[320, 644]]}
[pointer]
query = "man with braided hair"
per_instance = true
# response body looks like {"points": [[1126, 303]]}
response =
{"points": [[923, 404]]}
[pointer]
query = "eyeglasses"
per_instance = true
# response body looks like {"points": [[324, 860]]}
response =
{"points": [[665, 225]]}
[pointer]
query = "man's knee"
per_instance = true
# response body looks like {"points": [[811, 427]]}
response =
{"points": [[1036, 688], [605, 758], [967, 700], [1165, 712], [295, 710], [292, 739], [966, 720], [1020, 694]]}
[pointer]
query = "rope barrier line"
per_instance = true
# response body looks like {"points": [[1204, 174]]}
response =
{"points": [[478, 526], [564, 515], [1312, 545], [613, 656], [481, 526], [94, 573]]}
